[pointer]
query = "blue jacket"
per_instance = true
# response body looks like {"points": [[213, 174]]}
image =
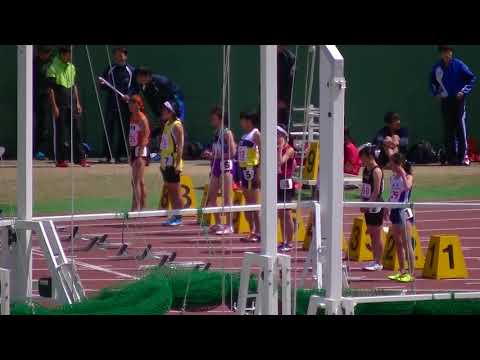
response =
{"points": [[122, 76], [161, 89], [449, 81]]}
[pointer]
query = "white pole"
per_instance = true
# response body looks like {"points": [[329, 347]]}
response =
{"points": [[332, 85], [21, 277], [269, 168]]}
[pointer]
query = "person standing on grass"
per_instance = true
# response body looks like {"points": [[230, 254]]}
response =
{"points": [[63, 95], [42, 117], [451, 81], [171, 162], [249, 162], [221, 172], [138, 137], [285, 186], [121, 75], [401, 184], [372, 189]]}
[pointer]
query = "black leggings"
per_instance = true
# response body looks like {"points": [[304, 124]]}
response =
{"points": [[62, 138]]}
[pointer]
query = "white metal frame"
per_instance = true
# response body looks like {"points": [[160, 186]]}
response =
{"points": [[4, 291], [22, 267], [332, 102]]}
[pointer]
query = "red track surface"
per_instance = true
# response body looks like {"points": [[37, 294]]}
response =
{"points": [[97, 271]]}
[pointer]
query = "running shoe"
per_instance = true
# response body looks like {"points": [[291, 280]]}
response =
{"points": [[62, 164], [406, 278], [215, 228], [466, 161], [252, 238], [84, 163], [226, 230], [173, 221], [373, 267], [40, 156], [285, 248], [395, 277]]}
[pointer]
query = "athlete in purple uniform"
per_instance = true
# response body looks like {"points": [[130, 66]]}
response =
{"points": [[401, 184], [221, 155]]}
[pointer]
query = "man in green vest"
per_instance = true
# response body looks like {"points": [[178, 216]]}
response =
{"points": [[66, 107]]}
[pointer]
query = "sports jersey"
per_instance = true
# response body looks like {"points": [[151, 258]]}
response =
{"points": [[285, 173], [248, 154], [398, 190], [216, 164], [168, 146]]}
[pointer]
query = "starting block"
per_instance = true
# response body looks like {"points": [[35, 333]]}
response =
{"points": [[390, 258], [146, 254], [187, 193], [445, 258], [360, 245]]}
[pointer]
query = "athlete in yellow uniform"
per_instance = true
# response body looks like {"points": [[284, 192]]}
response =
{"points": [[171, 162], [248, 154]]}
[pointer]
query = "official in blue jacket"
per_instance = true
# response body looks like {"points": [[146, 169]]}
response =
{"points": [[452, 81], [121, 75]]}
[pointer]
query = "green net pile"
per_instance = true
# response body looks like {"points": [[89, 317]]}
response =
{"points": [[162, 290], [428, 307], [157, 293]]}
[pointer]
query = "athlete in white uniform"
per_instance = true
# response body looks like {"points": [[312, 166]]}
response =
{"points": [[401, 184]]}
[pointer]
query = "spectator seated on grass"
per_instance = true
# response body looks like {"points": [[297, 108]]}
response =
{"points": [[351, 162], [391, 139]]}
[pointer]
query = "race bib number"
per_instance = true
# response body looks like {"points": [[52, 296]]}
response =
{"points": [[141, 151], [164, 142], [242, 153], [286, 184], [395, 195], [133, 136], [227, 165], [248, 174], [366, 191], [408, 213]]}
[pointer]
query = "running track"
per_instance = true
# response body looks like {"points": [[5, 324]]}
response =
{"points": [[97, 271]]}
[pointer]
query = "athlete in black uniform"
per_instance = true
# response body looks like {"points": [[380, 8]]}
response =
{"points": [[372, 189]]}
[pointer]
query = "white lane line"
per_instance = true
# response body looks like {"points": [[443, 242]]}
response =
{"points": [[103, 269]]}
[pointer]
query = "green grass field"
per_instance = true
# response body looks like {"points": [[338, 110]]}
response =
{"points": [[106, 188]]}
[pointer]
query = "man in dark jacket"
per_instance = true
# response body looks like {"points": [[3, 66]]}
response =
{"points": [[452, 81], [42, 117], [121, 75], [157, 89], [391, 139]]}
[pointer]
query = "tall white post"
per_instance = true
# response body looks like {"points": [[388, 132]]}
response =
{"points": [[269, 169], [332, 95], [21, 276]]}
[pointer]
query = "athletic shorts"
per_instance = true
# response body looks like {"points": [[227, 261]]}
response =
{"points": [[134, 155], [285, 195], [170, 175], [217, 166], [374, 219], [249, 178], [396, 219]]}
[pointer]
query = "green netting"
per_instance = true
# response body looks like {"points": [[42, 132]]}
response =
{"points": [[429, 307], [155, 294], [162, 290]]}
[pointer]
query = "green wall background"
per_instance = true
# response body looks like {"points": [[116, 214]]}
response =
{"points": [[380, 78]]}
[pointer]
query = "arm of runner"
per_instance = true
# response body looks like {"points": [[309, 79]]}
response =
{"points": [[178, 133], [232, 147], [377, 184]]}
